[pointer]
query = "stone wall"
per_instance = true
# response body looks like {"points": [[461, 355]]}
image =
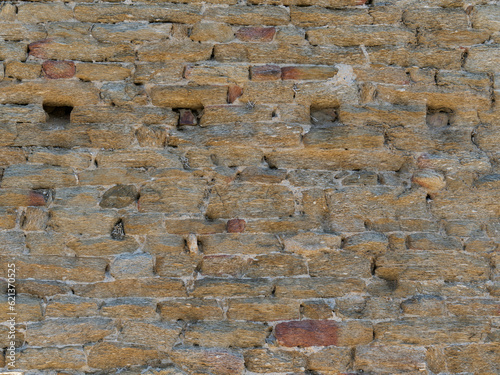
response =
{"points": [[250, 187]]}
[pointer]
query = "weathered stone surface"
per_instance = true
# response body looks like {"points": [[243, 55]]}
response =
{"points": [[274, 360], [164, 195], [432, 265], [226, 334], [69, 358], [217, 361], [129, 308], [109, 355], [150, 333], [190, 309], [263, 309], [67, 331], [390, 358], [429, 331], [69, 307], [119, 196], [226, 201]]}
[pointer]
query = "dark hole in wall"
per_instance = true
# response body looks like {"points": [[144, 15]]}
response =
{"points": [[58, 115]]}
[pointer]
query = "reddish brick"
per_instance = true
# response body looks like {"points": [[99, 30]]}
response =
{"points": [[187, 117], [308, 73], [307, 333], [59, 69], [233, 93], [256, 34], [236, 226], [37, 48], [37, 198], [265, 73]]}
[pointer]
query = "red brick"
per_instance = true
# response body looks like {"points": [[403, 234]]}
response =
{"points": [[58, 69], [37, 198], [256, 34], [308, 73], [236, 226], [265, 73], [307, 333]]}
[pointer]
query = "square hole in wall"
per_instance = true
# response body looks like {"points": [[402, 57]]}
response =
{"points": [[438, 118], [58, 115]]}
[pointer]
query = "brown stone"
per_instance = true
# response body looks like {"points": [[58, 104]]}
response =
{"points": [[233, 93], [235, 226], [265, 73], [307, 333], [59, 69], [256, 34]]}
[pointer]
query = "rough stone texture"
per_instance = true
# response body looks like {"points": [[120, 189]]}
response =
{"points": [[227, 187]]}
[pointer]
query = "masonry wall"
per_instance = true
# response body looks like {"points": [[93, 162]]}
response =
{"points": [[250, 187]]}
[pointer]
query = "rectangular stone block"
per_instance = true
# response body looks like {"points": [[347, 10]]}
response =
{"points": [[174, 51], [58, 268], [110, 355], [188, 96], [114, 115], [219, 74], [52, 92], [88, 222], [330, 359], [68, 331], [312, 158], [245, 15], [435, 18], [227, 201], [342, 264], [68, 358], [190, 309], [62, 158], [42, 12], [263, 309], [369, 36], [275, 265], [37, 177], [431, 331], [306, 333], [75, 50], [274, 360], [71, 307], [481, 59], [129, 308], [239, 243], [231, 114], [153, 287], [317, 287], [226, 334], [114, 13], [137, 159], [239, 134], [102, 72], [176, 191], [283, 53], [423, 265], [216, 287], [390, 358], [314, 16], [27, 308], [155, 334]]}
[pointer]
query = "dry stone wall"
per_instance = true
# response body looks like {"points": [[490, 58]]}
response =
{"points": [[236, 187]]}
